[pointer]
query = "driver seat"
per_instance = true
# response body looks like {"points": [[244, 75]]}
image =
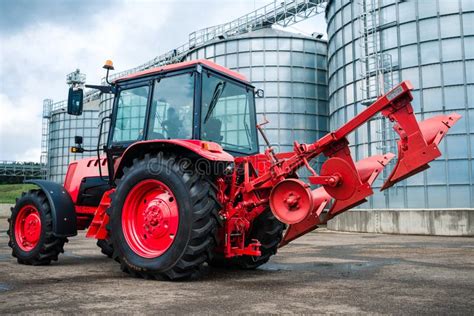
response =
{"points": [[212, 130]]}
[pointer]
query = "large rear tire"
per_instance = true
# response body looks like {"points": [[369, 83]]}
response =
{"points": [[31, 230], [163, 219]]}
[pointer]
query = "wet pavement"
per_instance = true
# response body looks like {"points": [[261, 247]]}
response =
{"points": [[322, 272]]}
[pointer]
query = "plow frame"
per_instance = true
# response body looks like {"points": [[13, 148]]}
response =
{"points": [[343, 183]]}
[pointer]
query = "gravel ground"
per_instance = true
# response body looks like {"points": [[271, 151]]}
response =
{"points": [[323, 272], [4, 210]]}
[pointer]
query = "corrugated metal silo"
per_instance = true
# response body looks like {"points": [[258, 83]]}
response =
{"points": [[431, 43], [62, 129]]}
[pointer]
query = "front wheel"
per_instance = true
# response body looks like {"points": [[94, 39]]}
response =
{"points": [[31, 230], [162, 219]]}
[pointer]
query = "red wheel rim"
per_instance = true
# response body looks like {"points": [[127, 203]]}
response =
{"points": [[150, 218], [28, 228]]}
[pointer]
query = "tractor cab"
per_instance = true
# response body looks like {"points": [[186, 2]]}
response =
{"points": [[198, 106], [195, 100]]}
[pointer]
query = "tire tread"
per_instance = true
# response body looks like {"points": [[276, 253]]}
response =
{"points": [[204, 226], [52, 245]]}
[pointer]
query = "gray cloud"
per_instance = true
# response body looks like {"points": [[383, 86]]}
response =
{"points": [[42, 41], [16, 15]]}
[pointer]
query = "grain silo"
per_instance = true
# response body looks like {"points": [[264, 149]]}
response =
{"points": [[291, 69], [430, 43], [62, 128]]}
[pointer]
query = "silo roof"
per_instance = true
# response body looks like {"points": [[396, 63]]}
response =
{"points": [[272, 32]]}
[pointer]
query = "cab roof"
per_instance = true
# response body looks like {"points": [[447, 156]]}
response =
{"points": [[186, 64]]}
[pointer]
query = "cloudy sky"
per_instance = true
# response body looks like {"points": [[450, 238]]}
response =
{"points": [[43, 40]]}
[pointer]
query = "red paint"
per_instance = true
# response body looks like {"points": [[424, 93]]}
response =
{"points": [[320, 200], [78, 170], [150, 218], [368, 170], [344, 178], [418, 144], [196, 146], [98, 226], [186, 64], [260, 163], [291, 201], [346, 182], [28, 227]]}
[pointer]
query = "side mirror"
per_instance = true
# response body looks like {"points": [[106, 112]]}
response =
{"points": [[259, 93], [78, 140], [75, 101]]}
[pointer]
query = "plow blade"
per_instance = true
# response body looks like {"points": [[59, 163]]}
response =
{"points": [[320, 199], [419, 148], [368, 169]]}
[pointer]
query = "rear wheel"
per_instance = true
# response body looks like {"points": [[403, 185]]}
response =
{"points": [[162, 219], [31, 230]]}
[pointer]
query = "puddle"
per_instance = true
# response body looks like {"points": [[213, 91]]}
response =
{"points": [[5, 287], [315, 266], [70, 254], [5, 257]]}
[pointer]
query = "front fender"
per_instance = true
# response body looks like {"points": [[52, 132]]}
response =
{"points": [[62, 208]]}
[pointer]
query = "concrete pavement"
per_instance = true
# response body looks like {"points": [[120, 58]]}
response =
{"points": [[323, 272]]}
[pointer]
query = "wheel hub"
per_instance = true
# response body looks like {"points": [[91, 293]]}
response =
{"points": [[28, 227], [292, 200], [150, 218], [157, 216]]}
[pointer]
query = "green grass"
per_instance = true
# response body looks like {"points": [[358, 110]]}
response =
{"points": [[9, 192]]}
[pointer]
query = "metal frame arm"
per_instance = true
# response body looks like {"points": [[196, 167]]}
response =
{"points": [[335, 142], [417, 145]]}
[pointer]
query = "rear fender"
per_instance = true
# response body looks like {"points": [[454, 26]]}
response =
{"points": [[62, 208], [193, 149]]}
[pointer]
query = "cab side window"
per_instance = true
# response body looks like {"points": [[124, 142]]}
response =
{"points": [[131, 112], [228, 115]]}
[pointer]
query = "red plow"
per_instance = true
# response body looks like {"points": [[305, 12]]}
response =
{"points": [[343, 182]]}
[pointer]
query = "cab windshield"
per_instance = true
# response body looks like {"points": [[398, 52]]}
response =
{"points": [[228, 115]]}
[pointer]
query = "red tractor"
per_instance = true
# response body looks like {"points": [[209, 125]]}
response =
{"points": [[182, 182]]}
